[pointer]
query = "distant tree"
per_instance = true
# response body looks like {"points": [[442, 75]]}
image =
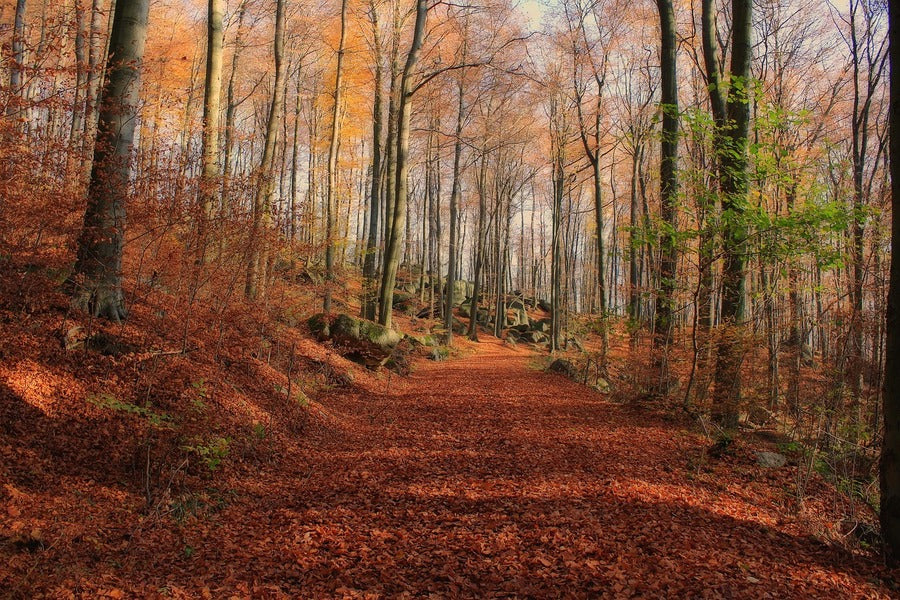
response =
{"points": [[98, 268], [262, 203], [332, 165]]}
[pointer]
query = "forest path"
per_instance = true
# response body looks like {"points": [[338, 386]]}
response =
{"points": [[483, 477]]}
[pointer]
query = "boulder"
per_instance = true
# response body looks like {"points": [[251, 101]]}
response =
{"points": [[357, 339], [403, 299], [563, 367], [541, 325], [462, 290], [428, 340], [535, 337], [439, 353], [428, 313], [575, 343], [602, 386], [517, 316], [770, 460]]}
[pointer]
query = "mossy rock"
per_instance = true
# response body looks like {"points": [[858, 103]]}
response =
{"points": [[541, 325], [563, 367], [350, 329], [428, 340], [320, 325]]}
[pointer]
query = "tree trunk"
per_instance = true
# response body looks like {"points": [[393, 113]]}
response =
{"points": [[262, 202], [665, 302], [731, 142], [212, 95], [332, 165], [98, 268], [890, 453], [370, 287], [454, 211], [392, 255], [16, 102]]}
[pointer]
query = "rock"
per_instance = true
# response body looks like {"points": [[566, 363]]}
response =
{"points": [[517, 316], [542, 325], [439, 354], [402, 299], [483, 314], [770, 460], [320, 326], [428, 313], [459, 328], [428, 340], [563, 367], [576, 343], [602, 386], [359, 340], [535, 337], [461, 291], [544, 305]]}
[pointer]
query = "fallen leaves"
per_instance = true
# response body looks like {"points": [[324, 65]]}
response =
{"points": [[477, 477]]}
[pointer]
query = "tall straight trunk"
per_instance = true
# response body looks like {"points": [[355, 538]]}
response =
{"points": [[634, 281], [17, 99], [82, 33], [370, 288], [559, 182], [453, 250], [668, 181], [478, 249], [230, 106], [392, 255], [212, 94], [332, 165], [96, 61], [732, 116], [391, 141], [890, 449], [262, 202], [295, 153], [98, 268]]}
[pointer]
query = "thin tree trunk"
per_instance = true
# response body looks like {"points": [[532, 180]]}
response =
{"points": [[332, 166], [212, 95], [262, 202]]}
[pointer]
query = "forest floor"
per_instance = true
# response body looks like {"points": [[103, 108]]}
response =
{"points": [[478, 477]]}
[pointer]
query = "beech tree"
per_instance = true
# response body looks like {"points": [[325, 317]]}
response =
{"points": [[730, 101], [212, 94], [98, 268], [668, 181]]}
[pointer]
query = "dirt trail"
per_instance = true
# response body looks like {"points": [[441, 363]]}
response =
{"points": [[479, 477], [483, 477]]}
